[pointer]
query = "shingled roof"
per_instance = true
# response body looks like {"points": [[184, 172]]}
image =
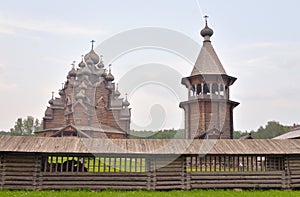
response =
{"points": [[149, 147], [207, 61]]}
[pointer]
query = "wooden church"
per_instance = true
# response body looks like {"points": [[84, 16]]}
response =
{"points": [[89, 104], [208, 111]]}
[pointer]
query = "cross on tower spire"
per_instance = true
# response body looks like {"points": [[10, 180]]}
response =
{"points": [[205, 17], [52, 95], [92, 41]]}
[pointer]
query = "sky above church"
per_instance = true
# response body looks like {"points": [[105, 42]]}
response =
{"points": [[257, 41]]}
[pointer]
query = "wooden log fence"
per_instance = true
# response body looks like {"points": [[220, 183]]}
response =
{"points": [[36, 171]]}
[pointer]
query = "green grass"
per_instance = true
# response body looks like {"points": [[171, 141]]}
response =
{"points": [[206, 193]]}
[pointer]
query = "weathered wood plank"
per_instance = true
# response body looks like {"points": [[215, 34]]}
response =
{"points": [[1, 171], [212, 177], [18, 187], [18, 173], [100, 183], [17, 182], [168, 178], [93, 187], [235, 181], [94, 178], [225, 185], [158, 183], [10, 169], [21, 165], [169, 187], [18, 178], [97, 174], [237, 173]]}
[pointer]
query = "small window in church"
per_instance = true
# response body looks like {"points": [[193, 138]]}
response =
{"points": [[206, 88], [198, 89]]}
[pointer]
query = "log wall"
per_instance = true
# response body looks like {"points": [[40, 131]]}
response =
{"points": [[94, 181], [26, 171], [1, 171], [293, 172], [20, 171], [249, 180]]}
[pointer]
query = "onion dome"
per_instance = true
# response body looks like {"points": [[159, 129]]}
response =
{"points": [[101, 64], [81, 64], [109, 76], [51, 101], [72, 72], [126, 103], [92, 55], [117, 93], [61, 92], [206, 32]]}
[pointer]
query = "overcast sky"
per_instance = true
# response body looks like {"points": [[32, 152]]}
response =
{"points": [[256, 40]]}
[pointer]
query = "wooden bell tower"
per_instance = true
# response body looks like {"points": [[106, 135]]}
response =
{"points": [[208, 111]]}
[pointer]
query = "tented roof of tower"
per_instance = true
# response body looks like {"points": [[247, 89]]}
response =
{"points": [[208, 61]]}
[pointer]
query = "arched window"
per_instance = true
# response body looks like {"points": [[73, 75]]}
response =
{"points": [[199, 89], [222, 93], [206, 88], [215, 88]]}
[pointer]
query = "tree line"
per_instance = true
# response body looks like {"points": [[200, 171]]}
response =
{"points": [[162, 134], [29, 125], [24, 127], [270, 130]]}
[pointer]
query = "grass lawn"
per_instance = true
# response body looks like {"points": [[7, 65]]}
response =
{"points": [[206, 193]]}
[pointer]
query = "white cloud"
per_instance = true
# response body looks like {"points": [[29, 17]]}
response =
{"points": [[6, 30], [10, 26]]}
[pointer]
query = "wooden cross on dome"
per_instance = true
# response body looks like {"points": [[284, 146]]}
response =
{"points": [[206, 17], [93, 41]]}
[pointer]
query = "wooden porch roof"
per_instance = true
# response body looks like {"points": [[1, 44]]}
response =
{"points": [[151, 146]]}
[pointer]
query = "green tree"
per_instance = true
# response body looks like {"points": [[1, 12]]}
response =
{"points": [[18, 127], [237, 134], [4, 133], [271, 130], [25, 127], [28, 125], [37, 125]]}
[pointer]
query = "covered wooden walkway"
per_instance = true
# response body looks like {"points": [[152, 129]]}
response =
{"points": [[70, 163]]}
